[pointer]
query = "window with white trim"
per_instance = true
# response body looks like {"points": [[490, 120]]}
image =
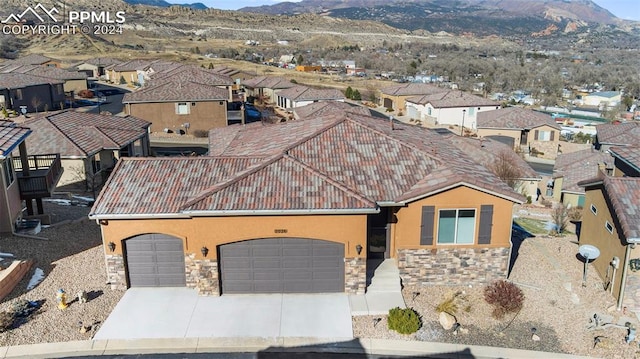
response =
{"points": [[594, 210], [456, 226], [544, 136], [182, 108], [608, 226]]}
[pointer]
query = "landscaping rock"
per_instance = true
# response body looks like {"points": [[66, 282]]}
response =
{"points": [[446, 320], [535, 337]]}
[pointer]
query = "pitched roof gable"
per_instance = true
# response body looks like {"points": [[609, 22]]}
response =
{"points": [[452, 98], [15, 81], [409, 89], [304, 93], [174, 91], [328, 107], [190, 74], [11, 136], [514, 118], [628, 154], [578, 166], [43, 71], [626, 133], [270, 82]]}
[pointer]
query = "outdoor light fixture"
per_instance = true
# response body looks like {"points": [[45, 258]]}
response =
{"points": [[376, 321], [112, 246], [204, 251], [359, 249]]}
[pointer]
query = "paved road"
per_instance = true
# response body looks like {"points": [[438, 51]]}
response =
{"points": [[113, 101], [543, 169], [269, 354]]}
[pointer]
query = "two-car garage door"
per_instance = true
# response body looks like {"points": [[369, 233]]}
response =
{"points": [[282, 265]]}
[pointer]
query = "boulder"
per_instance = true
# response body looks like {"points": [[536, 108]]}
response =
{"points": [[535, 338], [447, 320]]}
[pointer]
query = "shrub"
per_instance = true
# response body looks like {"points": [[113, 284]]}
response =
{"points": [[575, 214], [86, 93], [448, 306], [6, 321], [505, 297], [404, 321], [122, 80], [201, 133]]}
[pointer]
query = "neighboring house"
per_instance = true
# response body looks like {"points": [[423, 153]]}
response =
{"points": [[299, 206], [191, 99], [530, 131], [23, 177], [89, 144], [452, 107], [502, 161], [603, 99], [571, 168], [265, 87], [299, 95], [73, 81], [96, 67], [611, 223], [129, 72], [33, 59], [626, 161], [157, 68], [33, 93], [394, 97], [617, 134], [327, 107]]}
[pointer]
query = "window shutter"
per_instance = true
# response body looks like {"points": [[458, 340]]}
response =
{"points": [[535, 135], [552, 135], [486, 222], [426, 226]]}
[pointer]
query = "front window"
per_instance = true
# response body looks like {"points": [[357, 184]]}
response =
{"points": [[471, 111], [95, 164], [544, 136], [182, 108], [7, 167], [456, 226]]}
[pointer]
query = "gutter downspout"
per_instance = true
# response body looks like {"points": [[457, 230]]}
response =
{"points": [[623, 281]]}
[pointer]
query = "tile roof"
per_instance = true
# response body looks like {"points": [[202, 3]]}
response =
{"points": [[344, 162], [579, 166], [133, 65], [13, 81], [176, 90], [628, 154], [412, 89], [190, 73], [11, 136], [44, 71], [32, 59], [327, 107], [514, 118], [103, 61], [80, 134], [626, 133], [268, 82], [304, 93], [624, 194], [452, 98]]}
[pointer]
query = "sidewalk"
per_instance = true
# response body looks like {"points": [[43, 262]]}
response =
{"points": [[244, 345]]}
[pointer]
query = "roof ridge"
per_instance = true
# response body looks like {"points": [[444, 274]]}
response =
{"points": [[226, 183], [315, 133], [56, 127]]}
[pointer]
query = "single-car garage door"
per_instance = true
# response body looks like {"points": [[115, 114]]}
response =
{"points": [[282, 265], [155, 260]]}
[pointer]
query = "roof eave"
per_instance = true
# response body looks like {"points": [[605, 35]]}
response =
{"points": [[454, 185], [182, 100], [137, 215], [276, 212]]}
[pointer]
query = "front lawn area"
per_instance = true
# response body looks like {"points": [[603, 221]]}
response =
{"points": [[533, 226]]}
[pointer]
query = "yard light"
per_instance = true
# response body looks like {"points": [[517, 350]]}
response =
{"points": [[359, 249], [112, 246], [204, 251]]}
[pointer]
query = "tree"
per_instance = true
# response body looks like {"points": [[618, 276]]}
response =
{"points": [[505, 167], [122, 80], [356, 95], [36, 102], [211, 66], [300, 60], [348, 93], [627, 101], [559, 218]]}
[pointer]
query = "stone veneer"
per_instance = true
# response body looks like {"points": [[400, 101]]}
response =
{"points": [[355, 275], [116, 276], [548, 148], [202, 274], [452, 265]]}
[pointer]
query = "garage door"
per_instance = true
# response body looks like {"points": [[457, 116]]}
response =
{"points": [[155, 260], [282, 265]]}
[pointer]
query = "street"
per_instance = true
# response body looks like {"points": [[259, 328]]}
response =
{"points": [[113, 95]]}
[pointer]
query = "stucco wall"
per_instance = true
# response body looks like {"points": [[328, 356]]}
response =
{"points": [[515, 134], [204, 116], [74, 171], [75, 85]]}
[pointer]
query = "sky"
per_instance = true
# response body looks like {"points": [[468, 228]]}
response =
{"points": [[624, 9]]}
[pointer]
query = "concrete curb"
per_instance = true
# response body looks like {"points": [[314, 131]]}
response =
{"points": [[280, 344]]}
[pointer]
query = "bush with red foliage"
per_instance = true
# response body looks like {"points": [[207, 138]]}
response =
{"points": [[86, 94], [505, 297]]}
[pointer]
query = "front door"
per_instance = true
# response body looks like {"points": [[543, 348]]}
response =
{"points": [[378, 234]]}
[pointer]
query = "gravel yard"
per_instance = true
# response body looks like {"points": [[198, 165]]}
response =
{"points": [[555, 304], [72, 259]]}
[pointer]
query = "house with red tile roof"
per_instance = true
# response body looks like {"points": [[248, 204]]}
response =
{"points": [[30, 92], [89, 144], [326, 107], [299, 96], [617, 134], [626, 161], [299, 207], [611, 223], [394, 97], [453, 107], [574, 167], [535, 133]]}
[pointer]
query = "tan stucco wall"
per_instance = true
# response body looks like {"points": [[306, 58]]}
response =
{"points": [[73, 171], [515, 134], [10, 204], [593, 232], [75, 85], [350, 230], [205, 115], [406, 234], [399, 102]]}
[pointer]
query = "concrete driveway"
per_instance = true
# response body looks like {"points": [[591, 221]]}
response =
{"points": [[181, 313]]}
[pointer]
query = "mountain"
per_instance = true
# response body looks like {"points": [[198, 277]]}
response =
{"points": [[162, 3], [479, 17]]}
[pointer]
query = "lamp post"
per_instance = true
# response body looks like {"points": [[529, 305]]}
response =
{"points": [[462, 127]]}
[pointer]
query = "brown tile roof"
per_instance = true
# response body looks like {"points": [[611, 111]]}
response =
{"points": [[268, 82], [190, 73], [103, 61], [133, 65], [514, 118], [487, 152], [81, 134], [628, 154], [15, 81], [452, 98], [11, 136], [326, 107], [627, 133], [44, 71], [304, 93], [412, 89], [579, 166], [32, 59], [176, 90]]}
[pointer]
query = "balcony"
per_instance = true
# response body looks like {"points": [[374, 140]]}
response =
{"points": [[44, 173]]}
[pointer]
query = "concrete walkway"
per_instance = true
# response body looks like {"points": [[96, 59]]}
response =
{"points": [[384, 292], [180, 313]]}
